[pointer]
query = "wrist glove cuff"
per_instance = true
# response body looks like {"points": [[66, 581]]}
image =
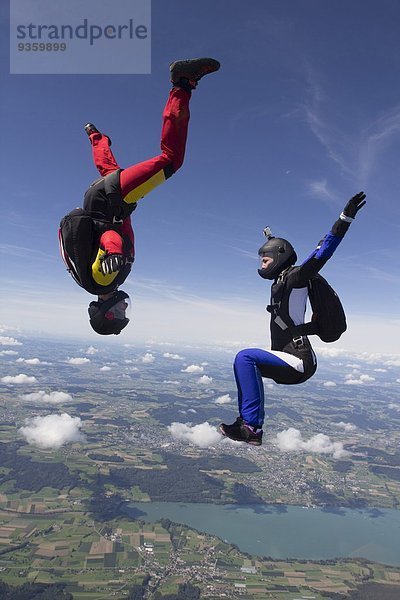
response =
{"points": [[346, 218]]}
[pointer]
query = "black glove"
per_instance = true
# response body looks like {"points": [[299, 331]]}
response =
{"points": [[111, 263], [353, 206]]}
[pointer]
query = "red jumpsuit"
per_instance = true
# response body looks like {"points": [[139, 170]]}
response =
{"points": [[138, 180]]}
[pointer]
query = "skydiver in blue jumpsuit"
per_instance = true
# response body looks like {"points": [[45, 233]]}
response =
{"points": [[290, 361]]}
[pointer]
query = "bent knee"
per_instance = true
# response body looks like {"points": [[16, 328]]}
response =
{"points": [[245, 356], [170, 169]]}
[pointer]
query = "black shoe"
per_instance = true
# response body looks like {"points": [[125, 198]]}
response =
{"points": [[189, 72], [90, 128], [240, 432]]}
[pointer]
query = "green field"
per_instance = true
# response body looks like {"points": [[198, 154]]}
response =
{"points": [[95, 559]]}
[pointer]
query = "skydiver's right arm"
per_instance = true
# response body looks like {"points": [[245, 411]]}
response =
{"points": [[327, 246], [111, 242], [110, 258]]}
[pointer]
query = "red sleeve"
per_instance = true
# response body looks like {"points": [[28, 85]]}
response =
{"points": [[112, 242]]}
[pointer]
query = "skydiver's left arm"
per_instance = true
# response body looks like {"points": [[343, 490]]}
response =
{"points": [[327, 246]]}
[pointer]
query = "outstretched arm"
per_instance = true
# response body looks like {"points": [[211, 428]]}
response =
{"points": [[331, 241]]}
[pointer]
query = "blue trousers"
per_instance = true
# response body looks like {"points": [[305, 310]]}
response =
{"points": [[250, 366]]}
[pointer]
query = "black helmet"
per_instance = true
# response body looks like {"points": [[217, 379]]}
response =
{"points": [[106, 317], [282, 253]]}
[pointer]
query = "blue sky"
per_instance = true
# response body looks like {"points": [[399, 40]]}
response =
{"points": [[304, 113]]}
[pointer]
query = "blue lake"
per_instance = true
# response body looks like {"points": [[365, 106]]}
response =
{"points": [[289, 531]]}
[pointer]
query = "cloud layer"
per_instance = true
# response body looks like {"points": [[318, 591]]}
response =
{"points": [[9, 341], [193, 369], [20, 379], [52, 431], [204, 380], [290, 440], [51, 398], [79, 360], [347, 427], [148, 358], [225, 399], [172, 356], [362, 379], [32, 361], [91, 350], [202, 435]]}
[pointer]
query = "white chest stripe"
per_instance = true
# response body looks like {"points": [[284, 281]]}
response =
{"points": [[297, 304]]}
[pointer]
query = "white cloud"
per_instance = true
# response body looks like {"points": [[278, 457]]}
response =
{"points": [[320, 190], [91, 350], [148, 358], [394, 362], [381, 370], [8, 352], [156, 342], [171, 381], [204, 380], [387, 359], [394, 406], [329, 384], [52, 431], [353, 375], [203, 435], [348, 427], [357, 155], [193, 319], [380, 132], [360, 381], [193, 369], [172, 356], [19, 379], [52, 397], [6, 328], [9, 341], [32, 361], [105, 368], [192, 410], [225, 399], [290, 440], [80, 360], [329, 352]]}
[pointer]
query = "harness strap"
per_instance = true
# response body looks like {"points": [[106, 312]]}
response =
{"points": [[309, 328], [113, 192], [277, 296], [295, 331]]}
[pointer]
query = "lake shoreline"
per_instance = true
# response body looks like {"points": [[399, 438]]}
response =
{"points": [[287, 532]]}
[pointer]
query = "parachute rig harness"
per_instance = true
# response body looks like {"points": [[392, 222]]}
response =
{"points": [[328, 319]]}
